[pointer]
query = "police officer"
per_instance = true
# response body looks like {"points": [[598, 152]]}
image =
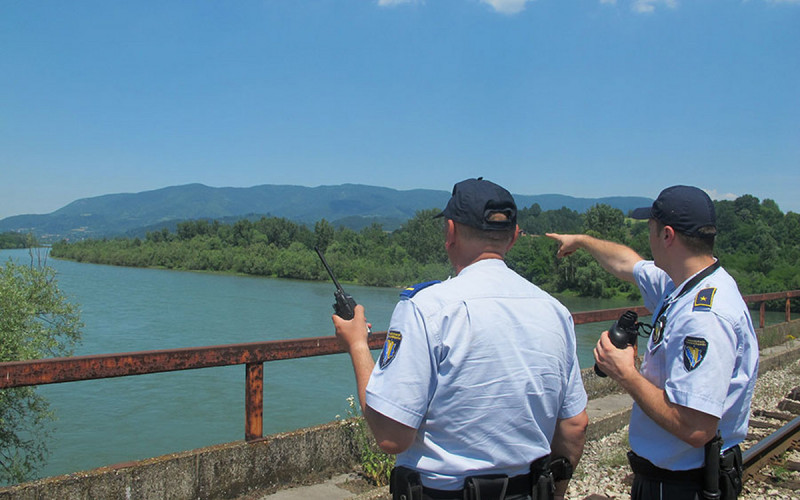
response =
{"points": [[700, 367], [479, 375]]}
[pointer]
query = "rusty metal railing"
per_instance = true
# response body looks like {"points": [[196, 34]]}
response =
{"points": [[252, 355]]}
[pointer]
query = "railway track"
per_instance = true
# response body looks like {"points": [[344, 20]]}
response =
{"points": [[772, 449]]}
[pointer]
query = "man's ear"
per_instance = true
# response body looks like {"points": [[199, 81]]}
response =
{"points": [[513, 239], [668, 235], [450, 234]]}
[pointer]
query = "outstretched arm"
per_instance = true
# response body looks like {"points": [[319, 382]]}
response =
{"points": [[615, 258]]}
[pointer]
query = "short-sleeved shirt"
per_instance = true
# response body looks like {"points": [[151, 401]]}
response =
{"points": [[482, 365], [703, 352]]}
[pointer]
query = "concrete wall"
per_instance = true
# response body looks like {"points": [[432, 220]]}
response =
{"points": [[303, 456], [216, 472]]}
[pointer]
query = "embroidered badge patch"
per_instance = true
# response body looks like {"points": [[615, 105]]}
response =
{"points": [[703, 300], [390, 348], [658, 331], [694, 352]]}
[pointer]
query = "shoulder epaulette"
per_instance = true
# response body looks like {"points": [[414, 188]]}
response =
{"points": [[412, 290], [704, 299]]}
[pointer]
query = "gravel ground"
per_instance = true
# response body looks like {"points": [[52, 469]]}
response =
{"points": [[603, 470]]}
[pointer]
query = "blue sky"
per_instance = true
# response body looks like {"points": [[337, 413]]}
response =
{"points": [[587, 98]]}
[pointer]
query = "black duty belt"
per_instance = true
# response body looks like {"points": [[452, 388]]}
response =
{"points": [[642, 466], [405, 483], [517, 485]]}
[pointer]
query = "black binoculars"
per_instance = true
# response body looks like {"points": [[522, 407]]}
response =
{"points": [[622, 333]]}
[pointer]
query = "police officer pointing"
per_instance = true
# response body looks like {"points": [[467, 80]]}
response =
{"points": [[701, 362], [478, 387]]}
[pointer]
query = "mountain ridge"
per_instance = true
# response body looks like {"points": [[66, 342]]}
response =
{"points": [[121, 214]]}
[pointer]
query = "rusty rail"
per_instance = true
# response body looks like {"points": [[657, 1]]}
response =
{"points": [[252, 355], [763, 452]]}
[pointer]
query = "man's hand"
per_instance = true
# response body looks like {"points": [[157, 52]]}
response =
{"points": [[614, 362], [567, 243], [354, 332], [352, 335]]}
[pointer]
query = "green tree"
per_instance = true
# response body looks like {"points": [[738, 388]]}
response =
{"points": [[607, 222], [323, 234], [17, 240], [533, 221], [527, 218], [36, 321], [534, 257], [747, 207], [423, 237]]}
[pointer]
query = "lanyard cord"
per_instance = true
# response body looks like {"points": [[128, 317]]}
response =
{"points": [[688, 286]]}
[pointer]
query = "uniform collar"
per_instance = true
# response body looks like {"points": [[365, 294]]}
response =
{"points": [[484, 264]]}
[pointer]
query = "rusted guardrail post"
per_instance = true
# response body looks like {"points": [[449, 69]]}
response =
{"points": [[788, 309], [254, 402]]}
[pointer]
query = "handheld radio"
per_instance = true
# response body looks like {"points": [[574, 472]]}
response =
{"points": [[344, 307]]}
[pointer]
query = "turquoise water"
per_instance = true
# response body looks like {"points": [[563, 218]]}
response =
{"points": [[103, 422]]}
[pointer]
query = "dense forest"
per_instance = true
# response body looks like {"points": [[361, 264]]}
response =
{"points": [[757, 243]]}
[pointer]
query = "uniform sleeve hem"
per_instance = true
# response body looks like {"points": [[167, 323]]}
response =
{"points": [[574, 408], [638, 273], [694, 402], [391, 410]]}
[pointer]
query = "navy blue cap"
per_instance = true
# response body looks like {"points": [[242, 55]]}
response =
{"points": [[685, 208], [475, 200]]}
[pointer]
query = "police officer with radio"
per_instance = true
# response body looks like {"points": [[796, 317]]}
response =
{"points": [[692, 396], [478, 389]]}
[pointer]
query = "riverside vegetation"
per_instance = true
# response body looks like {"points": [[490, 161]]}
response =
{"points": [[17, 240], [36, 321], [757, 243]]}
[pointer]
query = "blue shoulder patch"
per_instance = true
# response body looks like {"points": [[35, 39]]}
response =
{"points": [[412, 290], [704, 299], [694, 352], [390, 348]]}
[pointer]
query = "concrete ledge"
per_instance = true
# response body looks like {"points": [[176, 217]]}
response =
{"points": [[780, 355], [608, 414], [216, 472], [301, 457]]}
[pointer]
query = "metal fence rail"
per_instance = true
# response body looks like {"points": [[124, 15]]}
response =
{"points": [[252, 355]]}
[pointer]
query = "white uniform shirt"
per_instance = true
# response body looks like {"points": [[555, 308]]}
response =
{"points": [[705, 357], [482, 365]]}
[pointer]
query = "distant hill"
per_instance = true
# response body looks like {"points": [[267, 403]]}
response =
{"points": [[352, 205]]}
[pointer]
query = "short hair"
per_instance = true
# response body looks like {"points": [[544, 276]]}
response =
{"points": [[494, 238], [700, 244]]}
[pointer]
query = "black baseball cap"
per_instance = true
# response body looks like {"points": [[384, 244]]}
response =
{"points": [[475, 200], [685, 208]]}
